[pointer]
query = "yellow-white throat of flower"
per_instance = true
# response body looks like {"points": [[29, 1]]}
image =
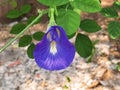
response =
{"points": [[53, 48]]}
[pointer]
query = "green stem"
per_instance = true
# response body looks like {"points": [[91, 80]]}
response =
{"points": [[52, 19], [77, 11], [18, 35]]}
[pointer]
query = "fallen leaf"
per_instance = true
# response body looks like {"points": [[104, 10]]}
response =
{"points": [[107, 75]]}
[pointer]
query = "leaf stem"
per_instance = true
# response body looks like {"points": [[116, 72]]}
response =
{"points": [[41, 13], [52, 18]]}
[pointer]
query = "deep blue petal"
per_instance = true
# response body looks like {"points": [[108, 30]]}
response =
{"points": [[54, 52]]}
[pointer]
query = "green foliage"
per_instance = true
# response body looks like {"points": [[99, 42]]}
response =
{"points": [[17, 13], [89, 26], [117, 5], [71, 36], [30, 50], [66, 87], [83, 45], [90, 58], [25, 40], [38, 35], [13, 14], [87, 5], [69, 20], [68, 79], [117, 66], [32, 18], [67, 15], [53, 2], [16, 29], [66, 6], [109, 12], [25, 9], [13, 3], [114, 29]]}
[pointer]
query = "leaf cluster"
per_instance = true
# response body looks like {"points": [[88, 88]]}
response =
{"points": [[68, 16]]}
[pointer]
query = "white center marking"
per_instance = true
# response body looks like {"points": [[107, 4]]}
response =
{"points": [[53, 49]]}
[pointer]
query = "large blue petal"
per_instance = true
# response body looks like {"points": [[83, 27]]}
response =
{"points": [[63, 52]]}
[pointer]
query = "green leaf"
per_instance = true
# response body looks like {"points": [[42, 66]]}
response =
{"points": [[30, 50], [117, 5], [117, 66], [114, 29], [16, 29], [69, 20], [38, 35], [83, 45], [25, 9], [109, 12], [53, 2], [13, 3], [71, 36], [68, 79], [65, 87], [32, 18], [87, 5], [89, 26], [13, 14], [65, 6], [25, 40]]}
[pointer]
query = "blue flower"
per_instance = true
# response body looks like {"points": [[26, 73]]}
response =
{"points": [[54, 51]]}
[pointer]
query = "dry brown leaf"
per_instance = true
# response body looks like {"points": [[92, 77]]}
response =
{"points": [[102, 60], [28, 82], [44, 83], [92, 83], [107, 75], [106, 3], [100, 73], [102, 88]]}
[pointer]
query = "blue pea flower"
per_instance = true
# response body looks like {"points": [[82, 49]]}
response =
{"points": [[54, 51]]}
